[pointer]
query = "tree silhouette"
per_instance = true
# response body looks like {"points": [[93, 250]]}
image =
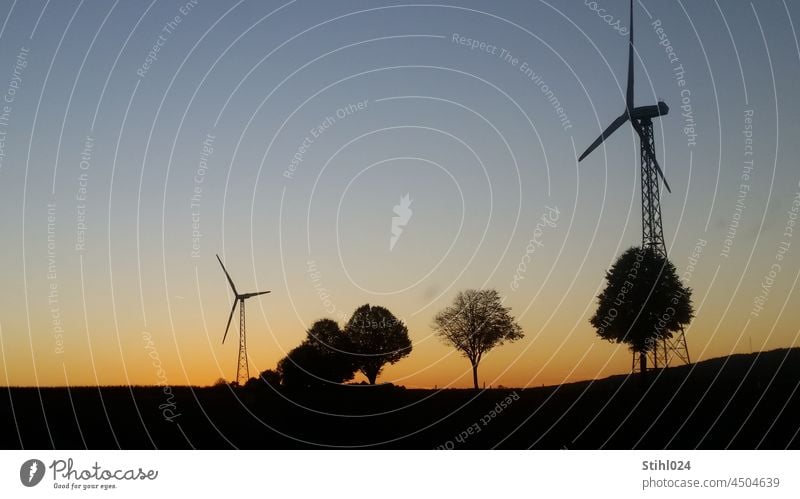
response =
{"points": [[377, 338], [321, 360], [475, 323], [296, 369], [644, 302], [271, 377]]}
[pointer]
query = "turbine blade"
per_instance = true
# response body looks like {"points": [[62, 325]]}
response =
{"points": [[608, 131], [233, 308], [230, 281], [660, 173], [651, 154], [250, 295], [629, 93]]}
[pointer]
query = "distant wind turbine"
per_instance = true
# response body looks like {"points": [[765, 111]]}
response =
{"points": [[242, 370]]}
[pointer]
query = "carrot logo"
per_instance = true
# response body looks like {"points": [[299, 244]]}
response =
{"points": [[403, 212], [31, 472]]}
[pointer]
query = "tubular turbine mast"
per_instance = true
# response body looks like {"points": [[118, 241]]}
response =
{"points": [[641, 118]]}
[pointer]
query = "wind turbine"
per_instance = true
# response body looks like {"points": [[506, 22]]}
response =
{"points": [[242, 370], [641, 118]]}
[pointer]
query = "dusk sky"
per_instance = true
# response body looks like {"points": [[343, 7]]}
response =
{"points": [[282, 136]]}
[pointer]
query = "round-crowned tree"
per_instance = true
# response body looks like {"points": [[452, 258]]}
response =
{"points": [[643, 302], [377, 338], [321, 360]]}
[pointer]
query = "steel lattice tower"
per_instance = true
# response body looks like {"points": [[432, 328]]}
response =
{"points": [[242, 369], [664, 351], [653, 237]]}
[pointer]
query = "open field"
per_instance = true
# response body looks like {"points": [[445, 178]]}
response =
{"points": [[742, 401]]}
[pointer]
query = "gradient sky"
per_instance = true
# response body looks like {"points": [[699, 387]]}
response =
{"points": [[465, 132]]}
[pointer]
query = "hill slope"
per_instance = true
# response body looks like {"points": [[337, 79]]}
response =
{"points": [[742, 401]]}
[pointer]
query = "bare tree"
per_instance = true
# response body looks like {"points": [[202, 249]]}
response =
{"points": [[475, 323]]}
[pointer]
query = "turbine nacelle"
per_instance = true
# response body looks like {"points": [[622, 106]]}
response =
{"points": [[645, 112]]}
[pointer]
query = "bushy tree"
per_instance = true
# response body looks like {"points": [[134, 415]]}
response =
{"points": [[377, 338], [271, 377], [296, 369], [643, 303], [321, 360], [475, 323]]}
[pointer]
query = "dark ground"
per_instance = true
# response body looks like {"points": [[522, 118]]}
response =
{"points": [[698, 406]]}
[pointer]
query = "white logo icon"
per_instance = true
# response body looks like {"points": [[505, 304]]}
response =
{"points": [[31, 472], [403, 212]]}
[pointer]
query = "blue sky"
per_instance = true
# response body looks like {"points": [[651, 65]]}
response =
{"points": [[465, 132]]}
